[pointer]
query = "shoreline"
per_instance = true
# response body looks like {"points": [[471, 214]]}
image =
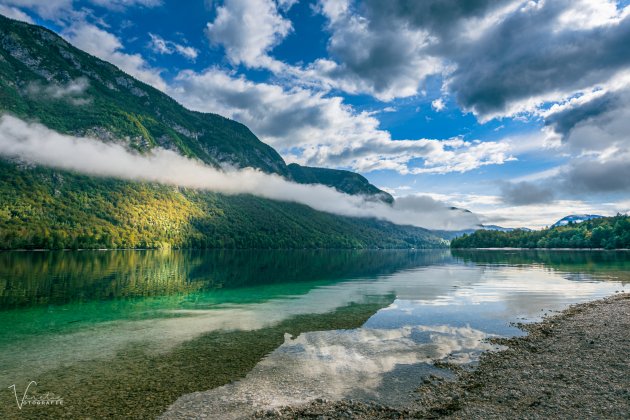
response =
{"points": [[570, 364], [543, 249], [309, 249], [217, 249]]}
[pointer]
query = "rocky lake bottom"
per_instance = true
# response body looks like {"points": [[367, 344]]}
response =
{"points": [[141, 334]]}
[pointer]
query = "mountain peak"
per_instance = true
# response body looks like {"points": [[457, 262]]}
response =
{"points": [[575, 218], [45, 78]]}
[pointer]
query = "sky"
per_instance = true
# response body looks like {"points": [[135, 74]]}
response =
{"points": [[516, 110]]}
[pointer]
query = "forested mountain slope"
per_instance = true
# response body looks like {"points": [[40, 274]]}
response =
{"points": [[44, 208], [45, 79]]}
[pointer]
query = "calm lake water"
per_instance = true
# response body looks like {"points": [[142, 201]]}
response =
{"points": [[124, 334]]}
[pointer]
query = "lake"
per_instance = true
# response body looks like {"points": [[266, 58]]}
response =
{"points": [[124, 334]]}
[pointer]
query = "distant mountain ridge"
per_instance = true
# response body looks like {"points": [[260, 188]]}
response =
{"points": [[452, 234], [575, 218], [503, 229], [598, 232]]}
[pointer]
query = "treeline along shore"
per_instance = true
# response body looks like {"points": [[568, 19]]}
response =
{"points": [[606, 233]]}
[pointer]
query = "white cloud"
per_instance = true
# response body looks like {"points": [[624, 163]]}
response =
{"points": [[314, 129], [286, 4], [163, 46], [589, 14], [40, 145], [541, 175], [73, 91], [46, 9], [122, 4], [438, 104], [490, 209], [307, 126], [388, 62], [541, 215], [248, 30], [64, 9], [108, 47], [334, 10], [15, 13]]}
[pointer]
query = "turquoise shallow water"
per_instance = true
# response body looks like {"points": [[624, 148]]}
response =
{"points": [[126, 333]]}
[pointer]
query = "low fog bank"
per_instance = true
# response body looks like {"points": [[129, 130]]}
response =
{"points": [[37, 144]]}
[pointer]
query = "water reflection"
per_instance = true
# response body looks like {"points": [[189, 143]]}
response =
{"points": [[335, 364], [615, 263], [440, 312], [362, 324], [44, 278]]}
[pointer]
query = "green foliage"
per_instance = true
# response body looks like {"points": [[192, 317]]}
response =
{"points": [[59, 277], [116, 106], [43, 208], [113, 104], [606, 232]]}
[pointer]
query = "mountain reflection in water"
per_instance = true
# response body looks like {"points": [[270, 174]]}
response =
{"points": [[292, 325]]}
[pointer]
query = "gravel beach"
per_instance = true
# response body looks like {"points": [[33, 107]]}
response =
{"points": [[572, 365]]}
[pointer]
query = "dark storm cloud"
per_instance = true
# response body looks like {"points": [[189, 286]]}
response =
{"points": [[583, 178], [529, 55], [436, 15], [535, 54], [524, 193], [598, 177], [381, 62], [383, 48], [565, 121], [529, 51], [596, 125]]}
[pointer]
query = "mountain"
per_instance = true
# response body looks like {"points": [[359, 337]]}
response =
{"points": [[575, 218], [452, 234], [344, 181], [598, 232], [503, 229], [449, 235], [44, 78], [45, 208]]}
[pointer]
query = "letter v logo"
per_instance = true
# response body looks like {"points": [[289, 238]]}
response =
{"points": [[20, 403]]}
